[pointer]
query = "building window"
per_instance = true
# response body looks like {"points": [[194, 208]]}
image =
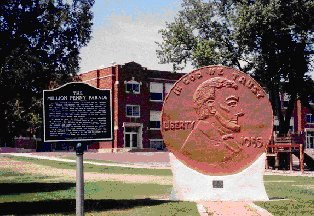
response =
{"points": [[309, 136], [132, 86], [309, 119], [154, 120], [285, 98], [291, 127], [276, 124], [156, 91], [168, 87], [157, 144], [285, 104], [133, 111]]}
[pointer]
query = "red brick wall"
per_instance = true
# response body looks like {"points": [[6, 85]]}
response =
{"points": [[102, 79], [144, 76], [114, 78], [88, 76], [25, 143]]}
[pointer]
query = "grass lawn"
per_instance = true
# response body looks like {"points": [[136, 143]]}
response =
{"points": [[39, 194], [299, 192], [93, 168]]}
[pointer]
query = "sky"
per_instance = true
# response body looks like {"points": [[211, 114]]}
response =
{"points": [[127, 30]]}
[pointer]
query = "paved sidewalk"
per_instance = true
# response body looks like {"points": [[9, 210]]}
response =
{"points": [[100, 163], [157, 160], [140, 158], [230, 208], [289, 173]]}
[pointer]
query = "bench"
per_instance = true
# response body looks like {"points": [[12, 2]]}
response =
{"points": [[288, 145]]}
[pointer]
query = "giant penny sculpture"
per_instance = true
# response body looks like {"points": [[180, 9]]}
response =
{"points": [[217, 120]]}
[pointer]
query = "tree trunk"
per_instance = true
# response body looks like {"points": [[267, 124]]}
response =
{"points": [[278, 111], [2, 127], [284, 128]]}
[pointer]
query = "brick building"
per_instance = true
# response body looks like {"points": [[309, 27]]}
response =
{"points": [[301, 122], [307, 125], [137, 96]]}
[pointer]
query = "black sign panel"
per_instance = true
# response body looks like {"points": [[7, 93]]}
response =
{"points": [[77, 112]]}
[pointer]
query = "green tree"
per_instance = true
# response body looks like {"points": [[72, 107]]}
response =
{"points": [[39, 46], [272, 40]]}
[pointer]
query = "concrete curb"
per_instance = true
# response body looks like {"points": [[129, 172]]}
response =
{"points": [[259, 209], [201, 210]]}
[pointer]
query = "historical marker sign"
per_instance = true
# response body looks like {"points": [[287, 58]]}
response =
{"points": [[77, 112], [217, 120]]}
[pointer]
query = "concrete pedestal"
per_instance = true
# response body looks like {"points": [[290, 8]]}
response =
{"points": [[190, 185]]}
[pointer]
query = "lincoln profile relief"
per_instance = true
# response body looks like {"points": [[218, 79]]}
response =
{"points": [[214, 137]]}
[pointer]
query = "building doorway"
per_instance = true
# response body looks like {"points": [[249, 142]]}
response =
{"points": [[131, 137]]}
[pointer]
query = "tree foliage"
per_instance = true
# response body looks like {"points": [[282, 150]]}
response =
{"points": [[39, 46], [270, 39]]}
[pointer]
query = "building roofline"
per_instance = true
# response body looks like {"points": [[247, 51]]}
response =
{"points": [[128, 63]]}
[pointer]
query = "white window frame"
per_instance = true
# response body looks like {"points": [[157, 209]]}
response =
{"points": [[168, 87], [132, 116], [150, 142], [132, 82], [309, 138], [152, 91], [154, 119]]}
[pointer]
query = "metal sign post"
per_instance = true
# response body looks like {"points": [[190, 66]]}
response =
{"points": [[79, 180]]}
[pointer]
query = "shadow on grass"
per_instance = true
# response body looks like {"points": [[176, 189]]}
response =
{"points": [[67, 206], [33, 187]]}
